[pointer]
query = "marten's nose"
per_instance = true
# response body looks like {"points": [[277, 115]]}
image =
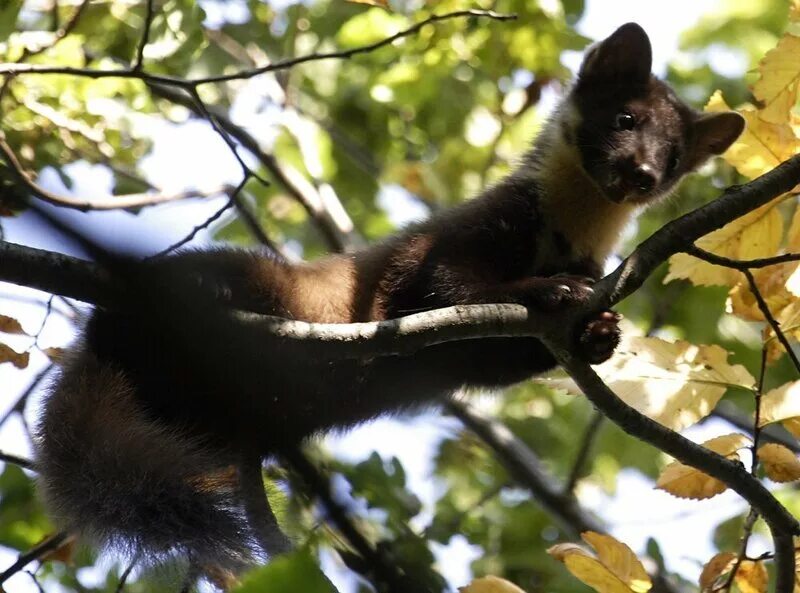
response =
{"points": [[639, 175]]}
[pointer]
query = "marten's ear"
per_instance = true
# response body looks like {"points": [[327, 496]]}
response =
{"points": [[714, 133], [624, 57]]}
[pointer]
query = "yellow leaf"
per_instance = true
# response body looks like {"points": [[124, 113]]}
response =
{"points": [[674, 383], [789, 320], [772, 283], [685, 481], [780, 74], [780, 464], [615, 570], [751, 577], [54, 354], [782, 404], [756, 234], [762, 146], [9, 325], [490, 584], [619, 559], [794, 11], [718, 565], [18, 359], [381, 3]]}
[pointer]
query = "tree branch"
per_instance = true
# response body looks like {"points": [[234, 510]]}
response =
{"points": [[24, 69], [526, 468], [114, 203], [35, 553]]}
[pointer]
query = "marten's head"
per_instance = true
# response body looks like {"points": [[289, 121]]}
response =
{"points": [[635, 137]]}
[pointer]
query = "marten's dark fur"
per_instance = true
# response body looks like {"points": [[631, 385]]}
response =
{"points": [[153, 406]]}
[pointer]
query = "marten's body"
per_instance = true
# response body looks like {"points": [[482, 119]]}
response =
{"points": [[153, 406]]}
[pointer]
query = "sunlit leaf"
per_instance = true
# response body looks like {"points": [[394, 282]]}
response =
{"points": [[762, 146], [381, 3], [490, 584], [780, 464], [289, 573], [756, 234], [616, 569], [685, 481], [782, 404], [752, 577], [674, 383], [777, 86], [719, 565]]}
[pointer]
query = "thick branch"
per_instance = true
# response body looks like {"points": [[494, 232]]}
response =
{"points": [[780, 521]]}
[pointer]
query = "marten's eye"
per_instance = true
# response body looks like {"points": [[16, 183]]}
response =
{"points": [[625, 121], [673, 162]]}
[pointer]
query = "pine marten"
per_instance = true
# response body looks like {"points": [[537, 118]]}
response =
{"points": [[162, 395]]}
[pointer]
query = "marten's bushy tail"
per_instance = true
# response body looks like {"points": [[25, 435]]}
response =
{"points": [[113, 474]]}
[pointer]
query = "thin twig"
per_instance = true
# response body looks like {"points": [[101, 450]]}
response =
{"points": [[20, 69], [229, 203], [148, 21], [17, 460], [526, 468], [585, 448], [744, 268], [123, 578], [740, 264], [747, 531], [771, 433], [35, 553], [337, 237], [776, 327], [19, 406], [60, 34]]}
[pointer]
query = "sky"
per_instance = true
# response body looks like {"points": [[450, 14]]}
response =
{"points": [[682, 530]]}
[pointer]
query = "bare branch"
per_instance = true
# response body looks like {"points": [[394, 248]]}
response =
{"points": [[35, 553], [740, 264], [17, 460], [585, 448], [337, 237], [24, 69], [115, 203], [203, 225], [148, 21]]}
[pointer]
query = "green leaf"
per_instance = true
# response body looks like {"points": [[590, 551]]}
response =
{"points": [[8, 17], [291, 573]]}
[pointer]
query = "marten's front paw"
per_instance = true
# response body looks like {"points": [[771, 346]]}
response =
{"points": [[557, 292], [600, 337]]}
